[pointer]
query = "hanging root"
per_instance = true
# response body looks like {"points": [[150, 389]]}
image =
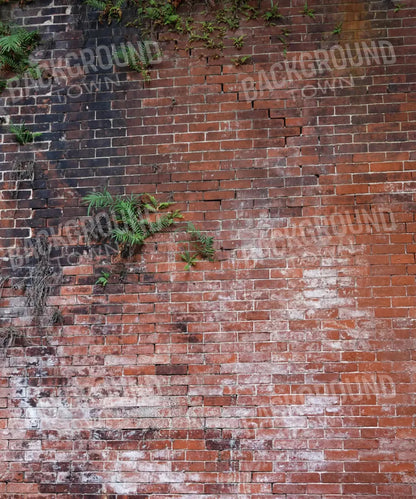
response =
{"points": [[8, 336], [43, 277]]}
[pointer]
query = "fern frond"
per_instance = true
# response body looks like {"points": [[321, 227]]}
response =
{"points": [[96, 4], [22, 134], [15, 47], [126, 237], [126, 211], [98, 200], [204, 244], [18, 42], [163, 206]]}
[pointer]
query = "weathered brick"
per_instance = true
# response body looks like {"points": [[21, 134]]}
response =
{"points": [[282, 369]]}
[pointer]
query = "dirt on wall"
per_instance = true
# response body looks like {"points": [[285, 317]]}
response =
{"points": [[284, 368]]}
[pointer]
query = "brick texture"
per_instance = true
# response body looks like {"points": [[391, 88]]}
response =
{"points": [[286, 368]]}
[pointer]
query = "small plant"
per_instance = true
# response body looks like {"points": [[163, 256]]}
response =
{"points": [[136, 60], [397, 7], [204, 245], [22, 134], [103, 279], [238, 42], [229, 18], [190, 259], [16, 44], [283, 38], [337, 30], [308, 12], [112, 9], [250, 11], [273, 15], [240, 61], [208, 27]]}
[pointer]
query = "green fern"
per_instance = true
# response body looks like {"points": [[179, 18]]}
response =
{"points": [[160, 13], [112, 9], [16, 44], [96, 4], [97, 200], [204, 245], [136, 218], [137, 60], [132, 228], [22, 134]]}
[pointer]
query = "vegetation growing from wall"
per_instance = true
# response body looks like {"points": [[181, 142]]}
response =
{"points": [[212, 31], [137, 218], [16, 44]]}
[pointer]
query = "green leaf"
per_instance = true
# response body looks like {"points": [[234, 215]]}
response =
{"points": [[98, 200]]}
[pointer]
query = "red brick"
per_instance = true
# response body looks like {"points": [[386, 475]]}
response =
{"points": [[283, 368]]}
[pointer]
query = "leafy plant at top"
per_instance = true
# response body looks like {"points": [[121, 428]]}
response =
{"points": [[103, 279], [159, 13], [397, 7], [308, 12], [228, 18], [153, 15], [16, 44], [22, 134], [273, 15], [112, 9], [136, 218]]}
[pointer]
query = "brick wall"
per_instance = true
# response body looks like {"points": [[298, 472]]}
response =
{"points": [[285, 368]]}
